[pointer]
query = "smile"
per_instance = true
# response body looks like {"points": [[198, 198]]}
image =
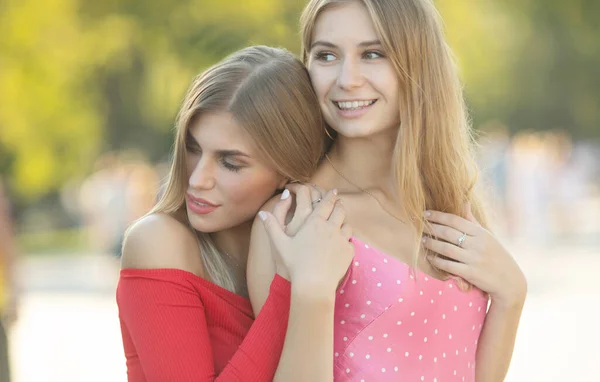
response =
{"points": [[354, 105]]}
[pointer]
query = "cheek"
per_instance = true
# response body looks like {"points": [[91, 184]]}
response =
{"points": [[248, 191], [321, 81], [388, 82]]}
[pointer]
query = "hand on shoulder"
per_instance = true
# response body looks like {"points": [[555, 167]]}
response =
{"points": [[291, 208], [319, 253], [161, 241]]}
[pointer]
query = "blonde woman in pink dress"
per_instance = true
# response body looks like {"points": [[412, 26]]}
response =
{"points": [[431, 294]]}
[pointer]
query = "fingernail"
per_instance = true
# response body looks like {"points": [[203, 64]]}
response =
{"points": [[427, 213], [285, 194], [424, 239], [262, 215], [335, 191]]}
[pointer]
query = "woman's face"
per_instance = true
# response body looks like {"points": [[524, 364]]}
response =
{"points": [[356, 83], [227, 183]]}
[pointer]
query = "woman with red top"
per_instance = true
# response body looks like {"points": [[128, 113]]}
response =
{"points": [[247, 127]]}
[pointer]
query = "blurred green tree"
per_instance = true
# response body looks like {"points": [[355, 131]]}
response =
{"points": [[78, 78]]}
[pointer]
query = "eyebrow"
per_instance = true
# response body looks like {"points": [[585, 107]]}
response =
{"points": [[331, 45], [232, 153], [192, 140]]}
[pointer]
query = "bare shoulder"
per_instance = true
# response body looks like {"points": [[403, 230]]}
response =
{"points": [[161, 241], [259, 233], [259, 238], [261, 265]]}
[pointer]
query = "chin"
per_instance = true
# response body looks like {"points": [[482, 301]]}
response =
{"points": [[203, 223], [204, 227], [355, 130], [215, 223]]}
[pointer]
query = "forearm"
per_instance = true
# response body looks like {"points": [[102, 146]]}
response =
{"points": [[308, 349], [496, 342]]}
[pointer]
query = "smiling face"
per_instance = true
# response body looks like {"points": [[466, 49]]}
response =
{"points": [[357, 86], [227, 182]]}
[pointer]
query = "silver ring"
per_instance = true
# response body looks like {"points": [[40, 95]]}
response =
{"points": [[317, 201], [461, 240]]}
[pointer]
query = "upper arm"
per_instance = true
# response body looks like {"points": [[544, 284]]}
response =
{"points": [[261, 265], [165, 334], [161, 241]]}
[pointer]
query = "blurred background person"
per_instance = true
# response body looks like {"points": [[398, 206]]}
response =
{"points": [[121, 190], [8, 285]]}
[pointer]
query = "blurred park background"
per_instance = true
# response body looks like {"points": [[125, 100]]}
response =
{"points": [[88, 95]]}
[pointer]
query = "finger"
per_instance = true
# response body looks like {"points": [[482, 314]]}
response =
{"points": [[445, 233], [453, 221], [320, 190], [452, 267], [315, 196], [274, 229], [324, 208], [446, 249], [301, 189], [338, 216], [316, 193], [303, 203], [282, 207], [346, 231]]}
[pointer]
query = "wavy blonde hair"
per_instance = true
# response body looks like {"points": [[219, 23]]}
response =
{"points": [[268, 91], [433, 159]]}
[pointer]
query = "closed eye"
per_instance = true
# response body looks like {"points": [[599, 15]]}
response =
{"points": [[230, 166]]}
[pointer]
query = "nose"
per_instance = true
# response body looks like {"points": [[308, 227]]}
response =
{"points": [[350, 75], [203, 175]]}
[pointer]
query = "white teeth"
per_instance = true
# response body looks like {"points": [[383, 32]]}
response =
{"points": [[200, 204], [350, 105]]}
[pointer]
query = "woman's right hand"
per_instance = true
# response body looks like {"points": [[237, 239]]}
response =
{"points": [[318, 255]]}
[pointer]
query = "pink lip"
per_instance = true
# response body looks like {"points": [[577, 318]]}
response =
{"points": [[197, 208], [200, 200]]}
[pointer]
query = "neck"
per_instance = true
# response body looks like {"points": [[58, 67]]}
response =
{"points": [[235, 242], [366, 162]]}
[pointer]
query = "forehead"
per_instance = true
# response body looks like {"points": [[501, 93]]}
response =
{"points": [[348, 21], [220, 131]]}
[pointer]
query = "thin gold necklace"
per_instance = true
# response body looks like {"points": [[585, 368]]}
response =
{"points": [[362, 189]]}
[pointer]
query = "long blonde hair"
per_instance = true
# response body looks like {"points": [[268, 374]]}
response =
{"points": [[433, 159], [268, 91]]}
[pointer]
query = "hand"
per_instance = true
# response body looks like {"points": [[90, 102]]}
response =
{"points": [[481, 259], [307, 196], [319, 254]]}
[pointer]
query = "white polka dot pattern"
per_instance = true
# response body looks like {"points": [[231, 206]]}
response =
{"points": [[392, 319]]}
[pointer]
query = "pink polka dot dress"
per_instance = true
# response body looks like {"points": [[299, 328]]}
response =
{"points": [[393, 326]]}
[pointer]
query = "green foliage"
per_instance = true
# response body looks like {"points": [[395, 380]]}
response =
{"points": [[79, 77]]}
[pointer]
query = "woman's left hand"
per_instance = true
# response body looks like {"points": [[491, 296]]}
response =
{"points": [[479, 258]]}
